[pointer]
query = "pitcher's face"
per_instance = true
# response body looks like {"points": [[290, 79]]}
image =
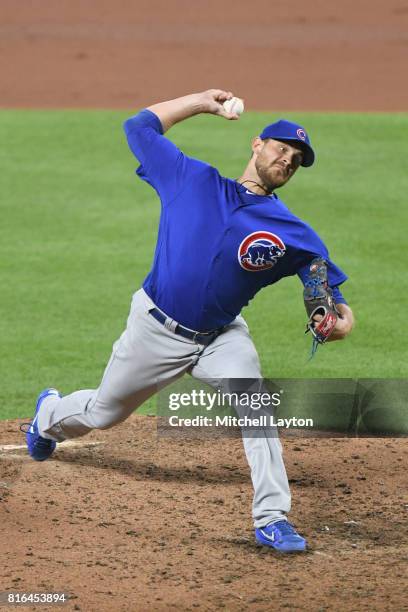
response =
{"points": [[276, 161]]}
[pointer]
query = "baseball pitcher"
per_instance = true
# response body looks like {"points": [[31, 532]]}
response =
{"points": [[219, 242]]}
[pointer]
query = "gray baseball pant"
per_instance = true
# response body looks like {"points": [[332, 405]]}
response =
{"points": [[148, 356]]}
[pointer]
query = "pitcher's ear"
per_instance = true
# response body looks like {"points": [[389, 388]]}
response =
{"points": [[257, 144]]}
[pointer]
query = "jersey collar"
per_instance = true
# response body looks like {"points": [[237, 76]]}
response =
{"points": [[249, 197]]}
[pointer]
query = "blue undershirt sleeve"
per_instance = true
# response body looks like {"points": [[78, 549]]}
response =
{"points": [[338, 296]]}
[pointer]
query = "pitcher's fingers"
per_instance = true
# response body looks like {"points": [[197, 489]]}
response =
{"points": [[230, 116], [221, 95]]}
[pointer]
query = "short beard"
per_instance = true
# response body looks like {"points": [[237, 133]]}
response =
{"points": [[266, 182]]}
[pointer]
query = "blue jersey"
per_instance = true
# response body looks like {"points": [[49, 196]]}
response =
{"points": [[218, 242]]}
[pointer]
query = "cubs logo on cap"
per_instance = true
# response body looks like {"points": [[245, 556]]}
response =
{"points": [[260, 251], [301, 133], [287, 131]]}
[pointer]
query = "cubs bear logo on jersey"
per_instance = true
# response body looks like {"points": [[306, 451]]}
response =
{"points": [[260, 251]]}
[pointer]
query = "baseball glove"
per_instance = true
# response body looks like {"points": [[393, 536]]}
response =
{"points": [[318, 299]]}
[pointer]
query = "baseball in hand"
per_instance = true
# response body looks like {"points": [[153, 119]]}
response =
{"points": [[235, 105]]}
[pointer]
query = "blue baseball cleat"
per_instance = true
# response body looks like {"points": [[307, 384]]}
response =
{"points": [[38, 447], [281, 536]]}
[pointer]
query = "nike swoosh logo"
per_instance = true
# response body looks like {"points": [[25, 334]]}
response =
{"points": [[31, 429], [268, 537], [250, 192]]}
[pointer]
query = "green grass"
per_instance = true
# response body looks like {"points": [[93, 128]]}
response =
{"points": [[78, 232]]}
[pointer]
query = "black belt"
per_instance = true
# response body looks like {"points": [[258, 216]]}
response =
{"points": [[200, 337]]}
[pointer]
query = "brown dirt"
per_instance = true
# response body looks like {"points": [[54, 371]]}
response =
{"points": [[140, 523], [297, 55]]}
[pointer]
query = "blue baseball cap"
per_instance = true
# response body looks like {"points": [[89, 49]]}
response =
{"points": [[287, 131]]}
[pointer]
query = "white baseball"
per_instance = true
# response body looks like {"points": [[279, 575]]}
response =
{"points": [[235, 105]]}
